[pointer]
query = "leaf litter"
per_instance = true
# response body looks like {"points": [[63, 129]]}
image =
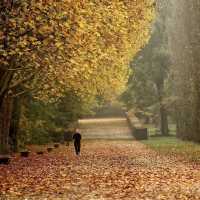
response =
{"points": [[105, 170]]}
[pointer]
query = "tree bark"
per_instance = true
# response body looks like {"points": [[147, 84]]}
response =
{"points": [[5, 80], [194, 36], [163, 121], [163, 112], [14, 127], [5, 120]]}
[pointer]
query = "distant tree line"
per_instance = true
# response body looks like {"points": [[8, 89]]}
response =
{"points": [[165, 83]]}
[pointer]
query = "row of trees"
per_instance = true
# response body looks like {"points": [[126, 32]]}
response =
{"points": [[165, 80], [148, 86], [184, 45], [52, 48]]}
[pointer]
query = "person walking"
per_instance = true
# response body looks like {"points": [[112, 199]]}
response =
{"points": [[77, 141]]}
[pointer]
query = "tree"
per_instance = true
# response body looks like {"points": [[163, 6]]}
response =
{"points": [[184, 47], [147, 85], [69, 44]]}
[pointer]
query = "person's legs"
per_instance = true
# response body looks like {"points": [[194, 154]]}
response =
{"points": [[76, 147], [79, 147]]}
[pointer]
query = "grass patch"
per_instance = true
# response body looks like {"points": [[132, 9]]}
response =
{"points": [[153, 130], [172, 145]]}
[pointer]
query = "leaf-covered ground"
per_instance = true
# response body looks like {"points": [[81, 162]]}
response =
{"points": [[104, 170]]}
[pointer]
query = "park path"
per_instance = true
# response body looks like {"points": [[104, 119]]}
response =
{"points": [[111, 166], [105, 128], [106, 169]]}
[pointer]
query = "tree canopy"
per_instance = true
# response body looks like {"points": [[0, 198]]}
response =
{"points": [[81, 45]]}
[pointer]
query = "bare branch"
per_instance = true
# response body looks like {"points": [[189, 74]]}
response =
{"points": [[20, 93], [21, 81], [19, 68]]}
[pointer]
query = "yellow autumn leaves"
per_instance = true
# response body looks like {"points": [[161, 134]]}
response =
{"points": [[83, 45]]}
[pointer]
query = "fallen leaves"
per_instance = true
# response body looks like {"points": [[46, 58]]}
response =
{"points": [[105, 170]]}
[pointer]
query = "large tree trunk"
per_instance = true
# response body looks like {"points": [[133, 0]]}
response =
{"points": [[5, 80], [163, 112], [14, 127], [194, 35], [5, 120], [163, 121]]}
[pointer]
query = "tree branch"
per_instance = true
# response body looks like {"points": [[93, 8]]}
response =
{"points": [[24, 33], [21, 82], [19, 68]]}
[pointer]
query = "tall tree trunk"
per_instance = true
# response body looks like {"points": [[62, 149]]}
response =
{"points": [[178, 123], [163, 112], [194, 30], [163, 121], [14, 127], [5, 80], [5, 120]]}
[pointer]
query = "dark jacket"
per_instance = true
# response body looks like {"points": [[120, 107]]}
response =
{"points": [[77, 137]]}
